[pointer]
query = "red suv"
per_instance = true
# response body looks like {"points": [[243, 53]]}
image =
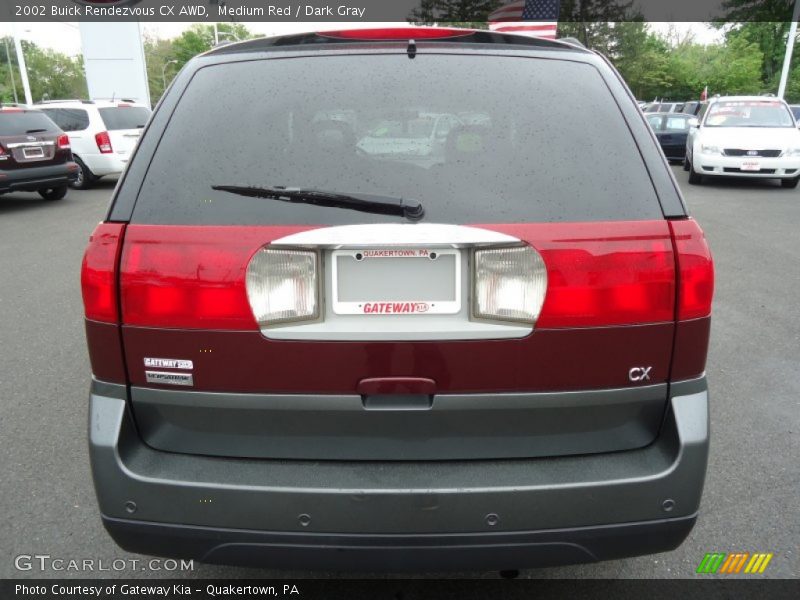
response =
{"points": [[402, 303]]}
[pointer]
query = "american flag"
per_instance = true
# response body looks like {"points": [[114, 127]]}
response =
{"points": [[537, 18]]}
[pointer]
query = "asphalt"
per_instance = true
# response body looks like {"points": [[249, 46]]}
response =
{"points": [[751, 494]]}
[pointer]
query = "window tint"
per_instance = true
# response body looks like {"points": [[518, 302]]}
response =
{"points": [[69, 119], [20, 123], [520, 145], [124, 117]]}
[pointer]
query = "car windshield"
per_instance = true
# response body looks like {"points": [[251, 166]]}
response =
{"points": [[474, 139], [749, 113], [20, 123]]}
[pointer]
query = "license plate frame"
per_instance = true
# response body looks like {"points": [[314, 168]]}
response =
{"points": [[390, 307], [33, 152], [751, 165]]}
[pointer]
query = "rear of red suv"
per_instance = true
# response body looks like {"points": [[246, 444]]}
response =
{"points": [[402, 304]]}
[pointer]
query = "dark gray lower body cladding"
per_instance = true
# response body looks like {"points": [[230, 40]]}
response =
{"points": [[438, 427], [486, 551], [381, 515]]}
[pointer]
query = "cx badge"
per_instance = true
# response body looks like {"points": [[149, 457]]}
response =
{"points": [[639, 374]]}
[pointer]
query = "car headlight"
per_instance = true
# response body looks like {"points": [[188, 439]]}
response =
{"points": [[792, 152], [709, 149]]}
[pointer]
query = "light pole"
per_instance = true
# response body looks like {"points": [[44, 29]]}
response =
{"points": [[164, 72], [23, 70], [11, 71], [787, 59]]}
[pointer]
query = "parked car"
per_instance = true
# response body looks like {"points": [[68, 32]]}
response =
{"points": [[662, 107], [103, 134], [671, 129], [745, 136], [307, 356], [417, 135], [35, 154]]}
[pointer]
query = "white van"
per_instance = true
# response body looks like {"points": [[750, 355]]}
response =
{"points": [[103, 133]]}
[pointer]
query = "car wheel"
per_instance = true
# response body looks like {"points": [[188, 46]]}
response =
{"points": [[694, 177], [85, 177], [56, 193], [790, 183]]}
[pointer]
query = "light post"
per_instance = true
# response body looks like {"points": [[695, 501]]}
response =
{"points": [[164, 72], [23, 70], [11, 71]]}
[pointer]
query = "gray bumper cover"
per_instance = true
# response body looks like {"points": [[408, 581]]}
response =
{"points": [[400, 515]]}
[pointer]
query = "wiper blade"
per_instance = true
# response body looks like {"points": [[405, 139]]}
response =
{"points": [[369, 203], [35, 130]]}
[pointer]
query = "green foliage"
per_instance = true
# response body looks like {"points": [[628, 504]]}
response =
{"points": [[465, 13], [50, 73]]}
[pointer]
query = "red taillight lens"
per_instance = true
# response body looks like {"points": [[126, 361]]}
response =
{"points": [[99, 273], [397, 33], [63, 142], [190, 277], [2, 150], [602, 274], [103, 142], [695, 270]]}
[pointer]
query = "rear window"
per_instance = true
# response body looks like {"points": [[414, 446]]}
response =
{"points": [[20, 123], [124, 117], [69, 119], [473, 138]]}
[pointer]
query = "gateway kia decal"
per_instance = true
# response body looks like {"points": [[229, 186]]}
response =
{"points": [[395, 308]]}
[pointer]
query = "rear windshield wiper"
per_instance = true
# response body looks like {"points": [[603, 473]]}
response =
{"points": [[369, 203]]}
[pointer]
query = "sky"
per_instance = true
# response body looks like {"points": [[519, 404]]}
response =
{"points": [[65, 37]]}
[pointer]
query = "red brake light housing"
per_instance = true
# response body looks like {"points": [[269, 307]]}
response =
{"points": [[103, 142], [397, 33], [99, 273], [695, 270], [63, 142]]}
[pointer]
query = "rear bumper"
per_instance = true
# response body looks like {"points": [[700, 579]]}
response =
{"points": [[400, 515], [105, 164], [31, 179]]}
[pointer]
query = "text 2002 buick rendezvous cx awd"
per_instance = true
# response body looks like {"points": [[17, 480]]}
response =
{"points": [[362, 302]]}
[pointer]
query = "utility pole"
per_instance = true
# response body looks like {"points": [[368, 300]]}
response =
{"points": [[11, 71], [23, 70], [787, 59]]}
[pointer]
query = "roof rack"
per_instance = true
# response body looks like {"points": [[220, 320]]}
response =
{"points": [[470, 36], [81, 100]]}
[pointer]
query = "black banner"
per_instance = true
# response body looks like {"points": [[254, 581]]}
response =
{"points": [[397, 589], [440, 11]]}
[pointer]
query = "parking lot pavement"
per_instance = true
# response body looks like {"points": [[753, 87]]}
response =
{"points": [[750, 500]]}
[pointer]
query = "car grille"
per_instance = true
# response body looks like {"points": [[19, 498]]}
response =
{"points": [[734, 170], [762, 153]]}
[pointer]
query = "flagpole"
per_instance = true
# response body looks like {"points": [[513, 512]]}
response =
{"points": [[787, 59]]}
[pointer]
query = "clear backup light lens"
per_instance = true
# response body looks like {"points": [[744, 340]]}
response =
{"points": [[510, 284], [282, 286]]}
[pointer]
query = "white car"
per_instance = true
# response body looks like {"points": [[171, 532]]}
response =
{"points": [[745, 136], [103, 133]]}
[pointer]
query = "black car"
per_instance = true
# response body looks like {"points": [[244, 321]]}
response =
{"points": [[35, 155], [671, 129]]}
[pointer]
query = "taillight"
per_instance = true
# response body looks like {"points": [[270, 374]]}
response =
{"points": [[695, 270], [604, 273], [103, 142], [2, 150], [99, 273], [509, 284], [397, 33], [282, 286], [63, 142]]}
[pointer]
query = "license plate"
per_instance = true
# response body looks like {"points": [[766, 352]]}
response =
{"points": [[396, 281], [33, 152], [751, 165]]}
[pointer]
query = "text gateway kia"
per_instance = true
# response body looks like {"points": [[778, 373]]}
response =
{"points": [[310, 355]]}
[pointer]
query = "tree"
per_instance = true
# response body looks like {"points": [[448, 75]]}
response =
{"points": [[200, 38], [51, 74], [464, 13]]}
